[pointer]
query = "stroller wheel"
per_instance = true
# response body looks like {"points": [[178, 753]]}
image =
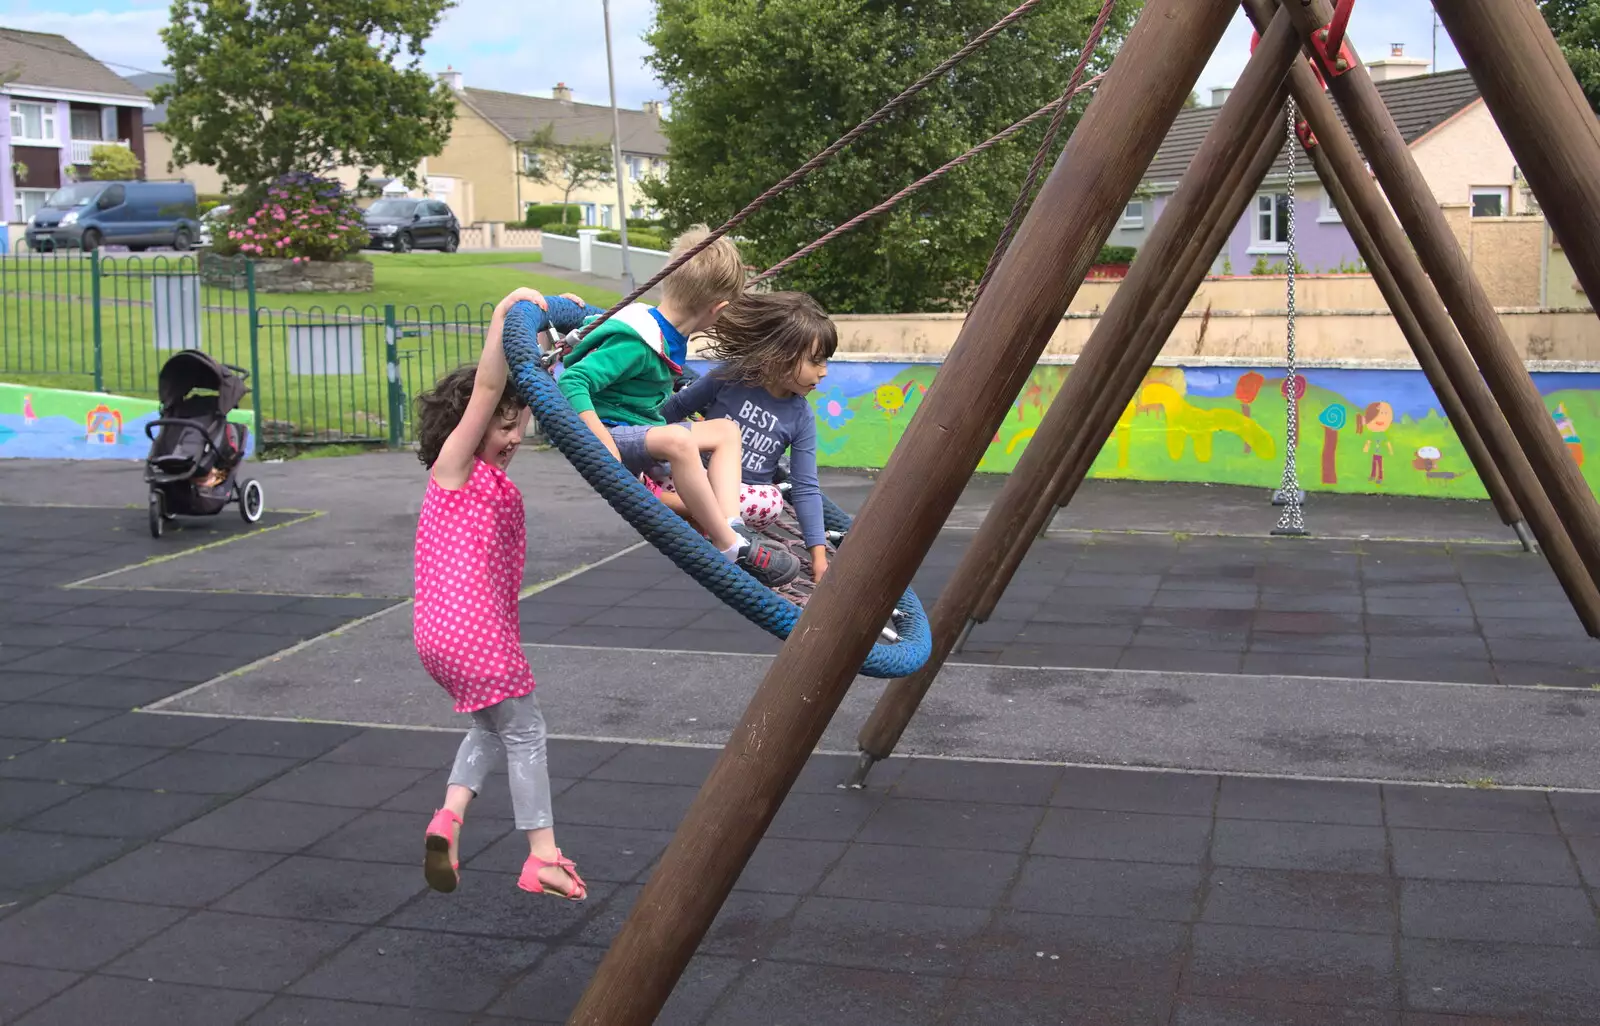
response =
{"points": [[251, 501], [158, 513]]}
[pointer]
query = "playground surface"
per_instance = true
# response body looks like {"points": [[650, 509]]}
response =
{"points": [[1187, 774]]}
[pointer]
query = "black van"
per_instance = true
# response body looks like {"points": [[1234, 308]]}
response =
{"points": [[138, 215]]}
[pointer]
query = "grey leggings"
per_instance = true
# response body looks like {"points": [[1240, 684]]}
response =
{"points": [[512, 730]]}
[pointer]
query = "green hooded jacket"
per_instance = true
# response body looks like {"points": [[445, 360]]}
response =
{"points": [[620, 370]]}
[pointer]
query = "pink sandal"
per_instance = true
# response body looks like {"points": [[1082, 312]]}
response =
{"points": [[442, 873], [530, 882]]}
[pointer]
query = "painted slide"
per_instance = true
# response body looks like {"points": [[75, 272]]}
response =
{"points": [[49, 423], [1360, 430]]}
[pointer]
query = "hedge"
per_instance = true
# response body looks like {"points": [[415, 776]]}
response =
{"points": [[1116, 255], [541, 213]]}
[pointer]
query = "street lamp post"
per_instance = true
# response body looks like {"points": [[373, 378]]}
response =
{"points": [[616, 155]]}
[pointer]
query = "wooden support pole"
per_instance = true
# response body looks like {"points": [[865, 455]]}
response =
{"points": [[1213, 175], [1543, 114], [1090, 432], [1574, 554], [992, 357]]}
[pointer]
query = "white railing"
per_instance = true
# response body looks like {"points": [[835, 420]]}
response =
{"points": [[83, 149]]}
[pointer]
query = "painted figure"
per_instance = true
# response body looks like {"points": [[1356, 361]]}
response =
{"points": [[1376, 420], [1569, 434], [28, 417]]}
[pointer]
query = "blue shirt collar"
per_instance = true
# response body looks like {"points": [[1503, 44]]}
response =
{"points": [[677, 342]]}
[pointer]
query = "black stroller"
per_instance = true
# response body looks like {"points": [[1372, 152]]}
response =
{"points": [[194, 450]]}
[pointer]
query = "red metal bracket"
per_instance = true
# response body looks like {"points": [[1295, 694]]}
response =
{"points": [[1328, 41], [1308, 138]]}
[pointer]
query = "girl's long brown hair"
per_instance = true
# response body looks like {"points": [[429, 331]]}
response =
{"points": [[441, 408], [760, 337]]}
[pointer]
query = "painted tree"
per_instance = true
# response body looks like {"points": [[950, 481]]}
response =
{"points": [[1576, 25], [760, 86], [1333, 418], [264, 88], [1246, 390], [569, 167]]}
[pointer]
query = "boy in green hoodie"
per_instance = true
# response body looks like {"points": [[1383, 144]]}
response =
{"points": [[621, 373]]}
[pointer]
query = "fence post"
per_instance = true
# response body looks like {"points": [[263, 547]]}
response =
{"points": [[255, 348], [94, 300], [391, 356]]}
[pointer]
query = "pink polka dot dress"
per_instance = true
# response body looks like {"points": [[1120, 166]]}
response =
{"points": [[471, 543]]}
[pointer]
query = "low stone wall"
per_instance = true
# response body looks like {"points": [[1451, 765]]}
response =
{"points": [[1209, 328], [313, 276]]}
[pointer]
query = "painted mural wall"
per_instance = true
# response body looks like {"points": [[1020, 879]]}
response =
{"points": [[49, 423], [1361, 430]]}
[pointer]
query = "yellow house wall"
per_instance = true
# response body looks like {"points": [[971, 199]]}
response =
{"points": [[1466, 152], [158, 155], [599, 195], [480, 154]]}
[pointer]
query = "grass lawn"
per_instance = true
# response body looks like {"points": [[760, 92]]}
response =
{"points": [[442, 279], [441, 301]]}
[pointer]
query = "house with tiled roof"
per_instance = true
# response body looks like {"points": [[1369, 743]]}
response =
{"points": [[485, 157], [1442, 119], [62, 103]]}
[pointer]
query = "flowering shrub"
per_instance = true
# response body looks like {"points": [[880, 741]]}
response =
{"points": [[300, 217]]}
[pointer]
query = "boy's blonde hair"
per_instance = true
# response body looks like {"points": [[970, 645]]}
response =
{"points": [[716, 274]]}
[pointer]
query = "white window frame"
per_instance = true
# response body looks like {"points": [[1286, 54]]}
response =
{"points": [[590, 215], [1266, 205], [1501, 192], [635, 167], [22, 216], [47, 124], [1129, 218], [99, 128], [1329, 213]]}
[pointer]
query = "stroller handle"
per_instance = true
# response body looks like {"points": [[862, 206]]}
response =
{"points": [[153, 426]]}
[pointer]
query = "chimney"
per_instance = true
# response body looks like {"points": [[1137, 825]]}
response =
{"points": [[1397, 65], [452, 78], [561, 92], [1219, 95], [653, 108]]}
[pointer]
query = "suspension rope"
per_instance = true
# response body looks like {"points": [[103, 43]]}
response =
{"points": [[925, 180], [1025, 196], [811, 165], [1293, 521]]}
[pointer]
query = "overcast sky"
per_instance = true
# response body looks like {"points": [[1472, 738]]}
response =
{"points": [[508, 44]]}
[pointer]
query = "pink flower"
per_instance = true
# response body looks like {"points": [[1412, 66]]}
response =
{"points": [[282, 243], [251, 220], [333, 235]]}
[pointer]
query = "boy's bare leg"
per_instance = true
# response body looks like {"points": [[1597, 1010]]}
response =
{"points": [[720, 438], [677, 446]]}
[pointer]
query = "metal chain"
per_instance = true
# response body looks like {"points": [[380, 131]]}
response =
{"points": [[1289, 494]]}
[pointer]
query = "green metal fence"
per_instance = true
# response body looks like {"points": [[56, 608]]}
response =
{"points": [[318, 375]]}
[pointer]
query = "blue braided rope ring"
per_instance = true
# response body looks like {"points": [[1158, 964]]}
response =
{"points": [[660, 526]]}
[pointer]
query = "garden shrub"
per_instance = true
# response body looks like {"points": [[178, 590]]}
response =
{"points": [[1116, 255], [299, 217], [540, 214]]}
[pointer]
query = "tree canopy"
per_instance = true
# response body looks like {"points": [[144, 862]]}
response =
{"points": [[1576, 24], [264, 87], [760, 86]]}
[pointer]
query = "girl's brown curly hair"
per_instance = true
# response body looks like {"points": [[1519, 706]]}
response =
{"points": [[441, 409], [761, 336]]}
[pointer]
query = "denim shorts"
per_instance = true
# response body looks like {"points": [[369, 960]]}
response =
{"points": [[635, 455]]}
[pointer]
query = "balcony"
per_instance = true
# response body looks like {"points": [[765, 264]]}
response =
{"points": [[83, 149]]}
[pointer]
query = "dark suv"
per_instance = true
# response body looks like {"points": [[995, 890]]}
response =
{"points": [[406, 224]]}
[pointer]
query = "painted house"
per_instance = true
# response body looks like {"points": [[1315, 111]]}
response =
{"points": [[486, 156], [1443, 120], [62, 104]]}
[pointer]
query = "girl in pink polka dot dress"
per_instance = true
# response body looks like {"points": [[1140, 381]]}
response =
{"points": [[471, 542]]}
